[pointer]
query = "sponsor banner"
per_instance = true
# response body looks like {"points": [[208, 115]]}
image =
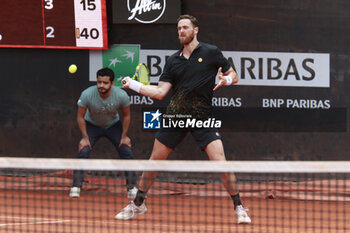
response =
{"points": [[295, 103], [255, 68], [217, 101], [238, 102], [146, 11], [281, 69]]}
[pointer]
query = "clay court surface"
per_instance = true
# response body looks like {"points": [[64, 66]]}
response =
{"points": [[53, 211]]}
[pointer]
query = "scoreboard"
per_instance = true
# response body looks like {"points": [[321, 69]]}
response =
{"points": [[70, 24]]}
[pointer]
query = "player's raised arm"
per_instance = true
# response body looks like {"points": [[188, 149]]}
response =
{"points": [[153, 91]]}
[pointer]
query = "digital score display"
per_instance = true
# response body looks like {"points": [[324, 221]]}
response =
{"points": [[71, 24]]}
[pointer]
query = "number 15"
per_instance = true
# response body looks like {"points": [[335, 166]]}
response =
{"points": [[88, 4]]}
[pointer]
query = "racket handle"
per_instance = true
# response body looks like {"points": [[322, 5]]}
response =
{"points": [[123, 82]]}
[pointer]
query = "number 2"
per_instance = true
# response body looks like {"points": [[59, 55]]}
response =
{"points": [[48, 4], [50, 33]]}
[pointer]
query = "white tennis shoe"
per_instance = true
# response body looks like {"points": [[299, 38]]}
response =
{"points": [[242, 216], [132, 193], [131, 211], [74, 192]]}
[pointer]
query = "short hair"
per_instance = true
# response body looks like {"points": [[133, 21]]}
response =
{"points": [[106, 72], [193, 19]]}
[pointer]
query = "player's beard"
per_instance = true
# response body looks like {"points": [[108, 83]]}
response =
{"points": [[104, 91], [187, 39]]}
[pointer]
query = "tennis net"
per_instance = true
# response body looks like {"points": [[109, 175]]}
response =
{"points": [[186, 196]]}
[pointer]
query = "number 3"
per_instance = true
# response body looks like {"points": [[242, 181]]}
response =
{"points": [[48, 4]]}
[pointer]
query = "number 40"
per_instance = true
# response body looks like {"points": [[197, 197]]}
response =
{"points": [[93, 33]]}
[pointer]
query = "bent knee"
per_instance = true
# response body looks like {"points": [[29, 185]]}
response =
{"points": [[125, 152]]}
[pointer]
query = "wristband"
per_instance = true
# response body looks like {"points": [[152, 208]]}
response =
{"points": [[135, 86], [228, 80]]}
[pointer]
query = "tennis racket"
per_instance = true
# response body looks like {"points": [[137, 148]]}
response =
{"points": [[141, 74]]}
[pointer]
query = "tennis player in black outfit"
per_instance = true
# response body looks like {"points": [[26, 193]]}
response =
{"points": [[191, 73]]}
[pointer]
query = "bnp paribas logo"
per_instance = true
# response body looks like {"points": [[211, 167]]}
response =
{"points": [[122, 59]]}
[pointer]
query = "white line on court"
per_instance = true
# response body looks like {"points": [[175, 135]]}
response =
{"points": [[39, 221]]}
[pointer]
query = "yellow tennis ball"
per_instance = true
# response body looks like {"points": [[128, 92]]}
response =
{"points": [[72, 69]]}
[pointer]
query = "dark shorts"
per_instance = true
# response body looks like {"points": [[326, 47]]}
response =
{"points": [[172, 137]]}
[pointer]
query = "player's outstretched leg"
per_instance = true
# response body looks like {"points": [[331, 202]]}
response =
{"points": [[229, 182], [215, 151]]}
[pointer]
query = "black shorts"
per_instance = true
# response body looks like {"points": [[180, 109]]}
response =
{"points": [[172, 137]]}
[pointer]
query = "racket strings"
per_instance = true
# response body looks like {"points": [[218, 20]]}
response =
{"points": [[142, 75]]}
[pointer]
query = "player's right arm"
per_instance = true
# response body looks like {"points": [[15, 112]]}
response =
{"points": [[153, 91], [82, 126]]}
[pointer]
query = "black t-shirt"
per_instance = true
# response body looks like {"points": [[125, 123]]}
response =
{"points": [[193, 80]]}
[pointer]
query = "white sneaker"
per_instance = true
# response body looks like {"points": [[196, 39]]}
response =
{"points": [[74, 192], [242, 216], [132, 193], [131, 211]]}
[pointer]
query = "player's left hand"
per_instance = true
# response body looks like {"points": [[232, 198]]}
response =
{"points": [[125, 141], [222, 80]]}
